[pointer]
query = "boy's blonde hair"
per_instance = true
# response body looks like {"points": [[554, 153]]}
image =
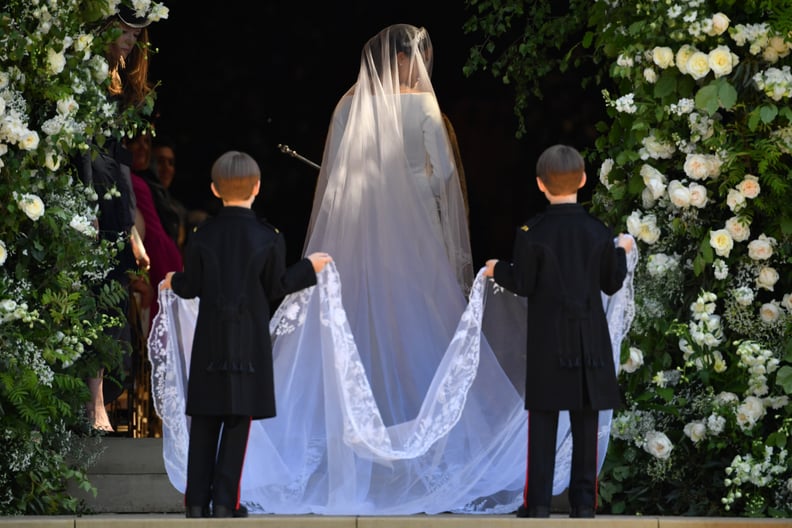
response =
{"points": [[234, 175], [560, 168]]}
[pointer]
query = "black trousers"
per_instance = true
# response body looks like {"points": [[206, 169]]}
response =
{"points": [[215, 459], [542, 428]]}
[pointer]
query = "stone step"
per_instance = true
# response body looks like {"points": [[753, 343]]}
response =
{"points": [[412, 521]]}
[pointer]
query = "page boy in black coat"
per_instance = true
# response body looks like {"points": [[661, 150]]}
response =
{"points": [[562, 260], [235, 264]]}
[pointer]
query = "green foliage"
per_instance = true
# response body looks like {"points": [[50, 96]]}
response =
{"points": [[693, 161], [57, 315]]}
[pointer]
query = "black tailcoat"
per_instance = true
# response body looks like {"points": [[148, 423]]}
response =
{"points": [[562, 260], [235, 264]]}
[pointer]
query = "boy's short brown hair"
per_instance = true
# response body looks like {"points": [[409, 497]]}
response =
{"points": [[560, 168], [234, 175]]}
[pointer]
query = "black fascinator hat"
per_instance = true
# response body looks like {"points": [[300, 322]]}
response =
{"points": [[127, 15]]}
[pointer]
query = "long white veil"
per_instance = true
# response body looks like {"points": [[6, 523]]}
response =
{"points": [[396, 393]]}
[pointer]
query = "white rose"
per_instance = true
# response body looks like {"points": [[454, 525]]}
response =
{"points": [[67, 105], [698, 65], [634, 223], [720, 61], [738, 228], [605, 169], [760, 249], [696, 431], [3, 253], [721, 241], [678, 194], [769, 312], [647, 198], [698, 195], [663, 56], [735, 200], [682, 56], [767, 278], [786, 302], [654, 180], [648, 230], [720, 23], [56, 61], [633, 362], [52, 161], [749, 187], [658, 445], [28, 140], [32, 206]]}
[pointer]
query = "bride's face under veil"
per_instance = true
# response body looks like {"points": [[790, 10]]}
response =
{"points": [[397, 60]]}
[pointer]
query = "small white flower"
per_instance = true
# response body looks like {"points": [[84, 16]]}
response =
{"points": [[743, 295], [749, 412], [721, 269], [626, 104], [650, 75], [716, 424]]}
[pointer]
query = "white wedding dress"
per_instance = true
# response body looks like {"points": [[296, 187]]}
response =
{"points": [[396, 393]]}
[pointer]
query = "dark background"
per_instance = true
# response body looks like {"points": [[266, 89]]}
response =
{"points": [[249, 75]]}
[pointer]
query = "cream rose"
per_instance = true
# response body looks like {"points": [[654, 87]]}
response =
{"points": [[722, 242], [720, 23], [769, 312], [658, 445], [698, 195], [696, 431], [697, 166], [32, 206], [682, 56], [663, 56], [605, 169], [738, 229], [28, 140], [761, 248], [654, 180], [3, 253], [749, 187], [767, 278], [650, 75], [698, 65], [720, 61]]}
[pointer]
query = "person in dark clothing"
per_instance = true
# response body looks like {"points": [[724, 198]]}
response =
{"points": [[235, 263], [563, 259]]}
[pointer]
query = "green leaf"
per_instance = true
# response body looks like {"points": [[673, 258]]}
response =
{"points": [[784, 378], [707, 99], [666, 85], [768, 113], [727, 94]]}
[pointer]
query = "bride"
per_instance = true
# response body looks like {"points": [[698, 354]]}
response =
{"points": [[397, 393]]}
